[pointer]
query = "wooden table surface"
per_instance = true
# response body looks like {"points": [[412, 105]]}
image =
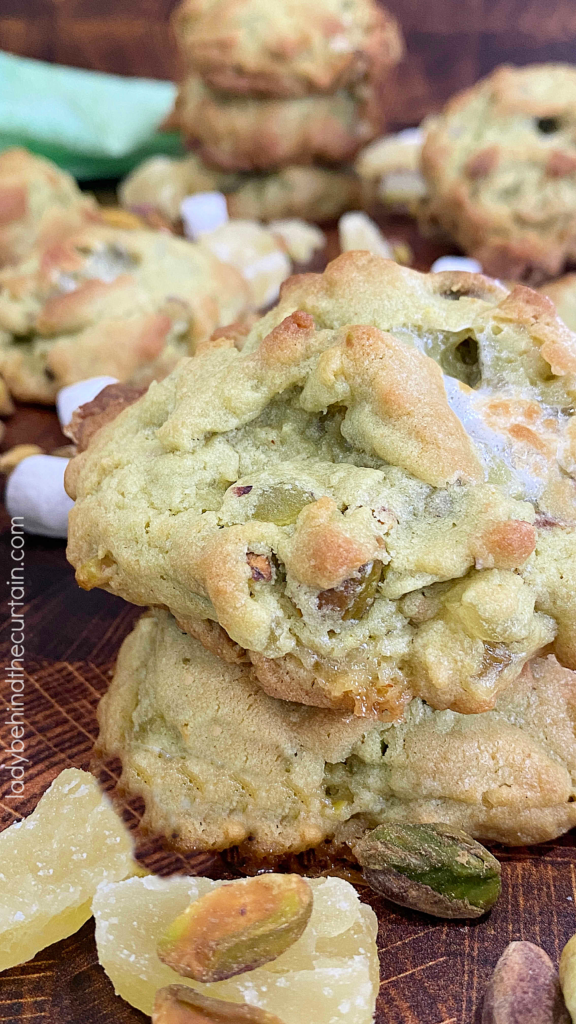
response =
{"points": [[449, 43], [432, 972]]}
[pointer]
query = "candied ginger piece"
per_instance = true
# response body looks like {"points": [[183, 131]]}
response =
{"points": [[52, 862], [330, 975]]}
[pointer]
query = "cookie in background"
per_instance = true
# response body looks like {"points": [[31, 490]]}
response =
{"points": [[267, 85], [389, 169], [500, 170], [38, 202], [311, 192], [109, 301]]}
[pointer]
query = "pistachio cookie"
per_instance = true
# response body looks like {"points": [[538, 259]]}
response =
{"points": [[500, 167], [238, 133], [107, 301], [254, 47], [219, 763], [37, 202], [328, 504], [313, 193]]}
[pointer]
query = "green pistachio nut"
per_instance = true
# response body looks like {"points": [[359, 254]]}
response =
{"points": [[237, 927], [432, 868], [178, 1004]]}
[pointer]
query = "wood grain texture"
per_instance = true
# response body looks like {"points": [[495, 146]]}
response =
{"points": [[432, 972], [450, 43]]}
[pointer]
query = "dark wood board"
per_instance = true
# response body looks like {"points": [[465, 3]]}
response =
{"points": [[432, 972], [450, 43]]}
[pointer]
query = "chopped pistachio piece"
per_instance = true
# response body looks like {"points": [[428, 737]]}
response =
{"points": [[354, 596]]}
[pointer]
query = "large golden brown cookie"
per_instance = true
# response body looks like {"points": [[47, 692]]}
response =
{"points": [[38, 202], [219, 763], [290, 49], [366, 528], [500, 165], [108, 301]]}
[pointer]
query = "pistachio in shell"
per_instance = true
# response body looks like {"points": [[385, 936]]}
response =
{"points": [[524, 989], [430, 867], [237, 927], [568, 975], [178, 1004]]}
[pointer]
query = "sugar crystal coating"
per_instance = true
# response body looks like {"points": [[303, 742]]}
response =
{"points": [[52, 862], [331, 972]]}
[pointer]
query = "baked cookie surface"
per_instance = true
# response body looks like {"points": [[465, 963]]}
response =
{"points": [[107, 301], [331, 506], [252, 47], [500, 167], [219, 763], [237, 133], [37, 201]]}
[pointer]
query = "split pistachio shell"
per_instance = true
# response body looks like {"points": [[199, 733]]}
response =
{"points": [[432, 868]]}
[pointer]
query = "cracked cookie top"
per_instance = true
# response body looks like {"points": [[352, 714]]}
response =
{"points": [[500, 165], [330, 505]]}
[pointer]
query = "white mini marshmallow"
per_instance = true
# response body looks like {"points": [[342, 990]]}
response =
{"points": [[35, 491], [411, 136], [74, 395], [456, 263], [203, 212]]}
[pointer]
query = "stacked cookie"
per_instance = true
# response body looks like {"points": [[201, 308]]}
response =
{"points": [[362, 532], [275, 99], [268, 85]]}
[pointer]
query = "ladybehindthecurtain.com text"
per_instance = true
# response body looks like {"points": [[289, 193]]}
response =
{"points": [[14, 743]]}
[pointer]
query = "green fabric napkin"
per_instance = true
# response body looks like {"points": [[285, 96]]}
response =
{"points": [[93, 125]]}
